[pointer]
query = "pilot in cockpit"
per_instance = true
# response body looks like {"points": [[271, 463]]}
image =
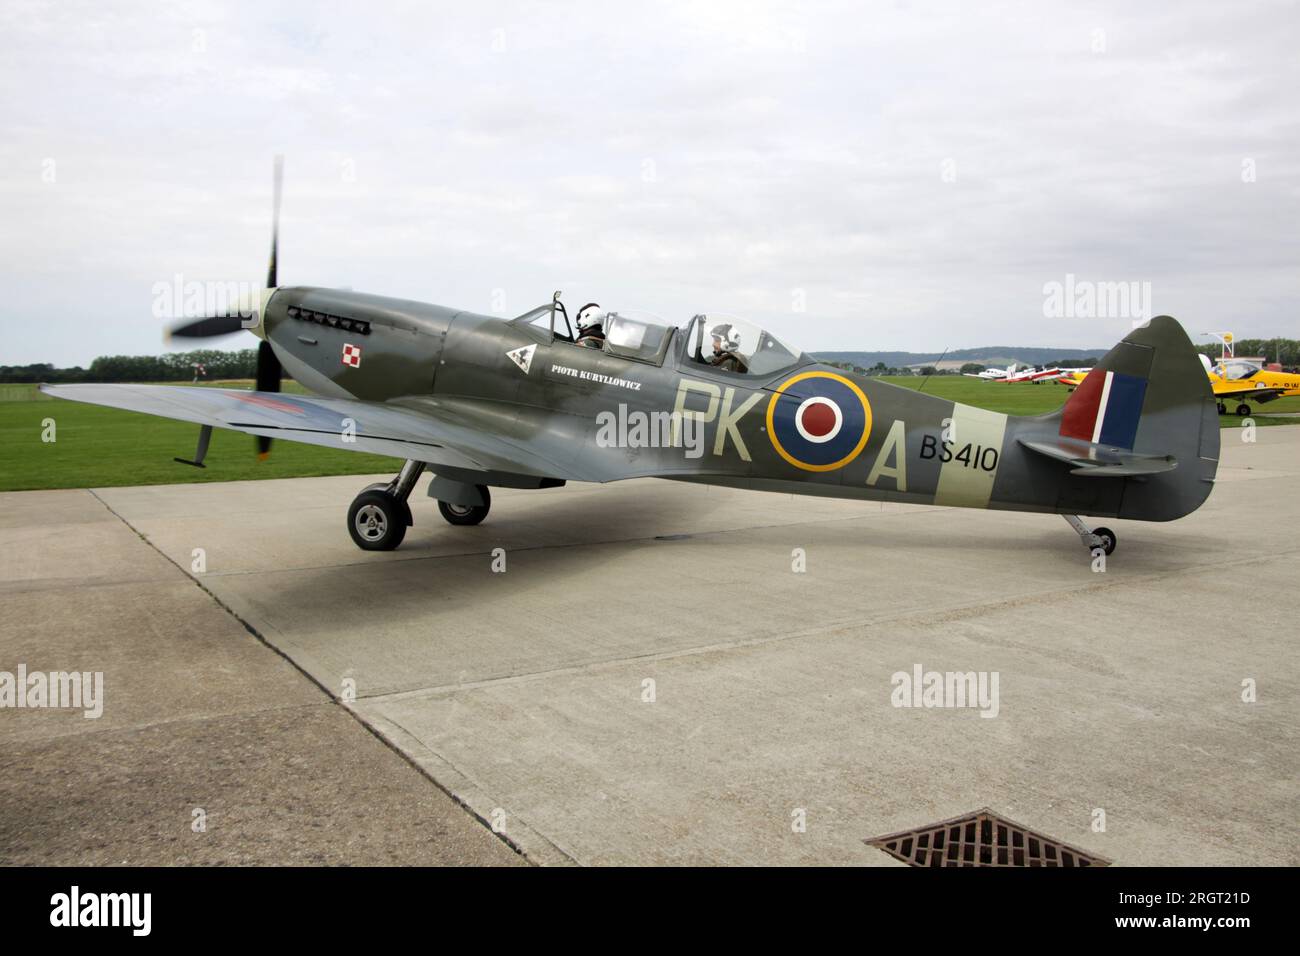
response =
{"points": [[726, 343], [591, 326]]}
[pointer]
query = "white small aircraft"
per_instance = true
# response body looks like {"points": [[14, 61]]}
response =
{"points": [[994, 374], [1031, 374]]}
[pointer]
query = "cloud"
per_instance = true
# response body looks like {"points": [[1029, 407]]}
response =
{"points": [[914, 173]]}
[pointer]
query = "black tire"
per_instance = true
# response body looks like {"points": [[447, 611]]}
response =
{"points": [[1107, 537], [377, 520], [1243, 410], [467, 514], [1223, 409]]}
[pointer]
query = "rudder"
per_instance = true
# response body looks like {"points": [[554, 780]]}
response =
{"points": [[1150, 395]]}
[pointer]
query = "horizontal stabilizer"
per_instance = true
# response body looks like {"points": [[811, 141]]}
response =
{"points": [[1093, 460]]}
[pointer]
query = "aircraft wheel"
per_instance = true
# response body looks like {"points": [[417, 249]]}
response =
{"points": [[377, 520], [467, 514], [1223, 409], [1243, 410], [1107, 539]]}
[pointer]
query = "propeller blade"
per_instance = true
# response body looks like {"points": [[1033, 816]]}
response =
{"points": [[206, 327], [268, 368], [269, 374], [269, 371], [273, 269]]}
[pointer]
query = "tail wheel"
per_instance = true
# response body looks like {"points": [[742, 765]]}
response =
{"points": [[1107, 539], [467, 514], [377, 520]]}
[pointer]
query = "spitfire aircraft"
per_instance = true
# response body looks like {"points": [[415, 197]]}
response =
{"points": [[533, 402]]}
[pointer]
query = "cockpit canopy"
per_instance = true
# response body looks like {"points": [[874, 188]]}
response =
{"points": [[1238, 370], [710, 338], [638, 335], [717, 340]]}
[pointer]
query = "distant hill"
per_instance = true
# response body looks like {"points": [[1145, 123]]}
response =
{"points": [[991, 354]]}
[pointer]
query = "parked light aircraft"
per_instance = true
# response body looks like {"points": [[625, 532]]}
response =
{"points": [[532, 402]]}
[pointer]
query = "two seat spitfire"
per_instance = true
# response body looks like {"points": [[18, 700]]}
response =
{"points": [[485, 402]]}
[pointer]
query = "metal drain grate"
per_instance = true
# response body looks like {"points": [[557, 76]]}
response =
{"points": [[982, 838]]}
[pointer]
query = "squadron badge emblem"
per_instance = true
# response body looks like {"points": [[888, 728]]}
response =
{"points": [[523, 357]]}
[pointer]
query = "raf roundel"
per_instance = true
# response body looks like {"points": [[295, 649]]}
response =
{"points": [[818, 421]]}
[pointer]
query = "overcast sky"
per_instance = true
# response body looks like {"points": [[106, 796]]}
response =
{"points": [[860, 176]]}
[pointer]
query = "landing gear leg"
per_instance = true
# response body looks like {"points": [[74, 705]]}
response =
{"points": [[379, 516], [1223, 409], [1102, 538]]}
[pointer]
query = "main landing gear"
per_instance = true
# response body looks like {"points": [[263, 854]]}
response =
{"points": [[1102, 538], [466, 514], [1241, 411], [380, 515]]}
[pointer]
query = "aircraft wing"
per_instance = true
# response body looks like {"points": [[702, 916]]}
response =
{"points": [[1093, 460], [479, 436], [1245, 390]]}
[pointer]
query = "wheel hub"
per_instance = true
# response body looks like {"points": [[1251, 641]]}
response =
{"points": [[371, 522]]}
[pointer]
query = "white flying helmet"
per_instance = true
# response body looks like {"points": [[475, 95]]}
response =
{"points": [[729, 335], [590, 316]]}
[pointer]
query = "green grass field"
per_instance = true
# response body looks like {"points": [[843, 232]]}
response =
{"points": [[1028, 399], [100, 447]]}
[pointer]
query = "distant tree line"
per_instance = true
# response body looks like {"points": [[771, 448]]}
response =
{"points": [[880, 368], [172, 367], [1286, 351], [968, 368]]}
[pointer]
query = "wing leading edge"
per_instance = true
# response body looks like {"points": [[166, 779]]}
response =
{"points": [[432, 434]]}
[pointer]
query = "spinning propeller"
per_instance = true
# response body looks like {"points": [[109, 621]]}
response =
{"points": [[269, 372]]}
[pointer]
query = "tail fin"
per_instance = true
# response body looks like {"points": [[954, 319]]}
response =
{"points": [[1106, 408], [1147, 400]]}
